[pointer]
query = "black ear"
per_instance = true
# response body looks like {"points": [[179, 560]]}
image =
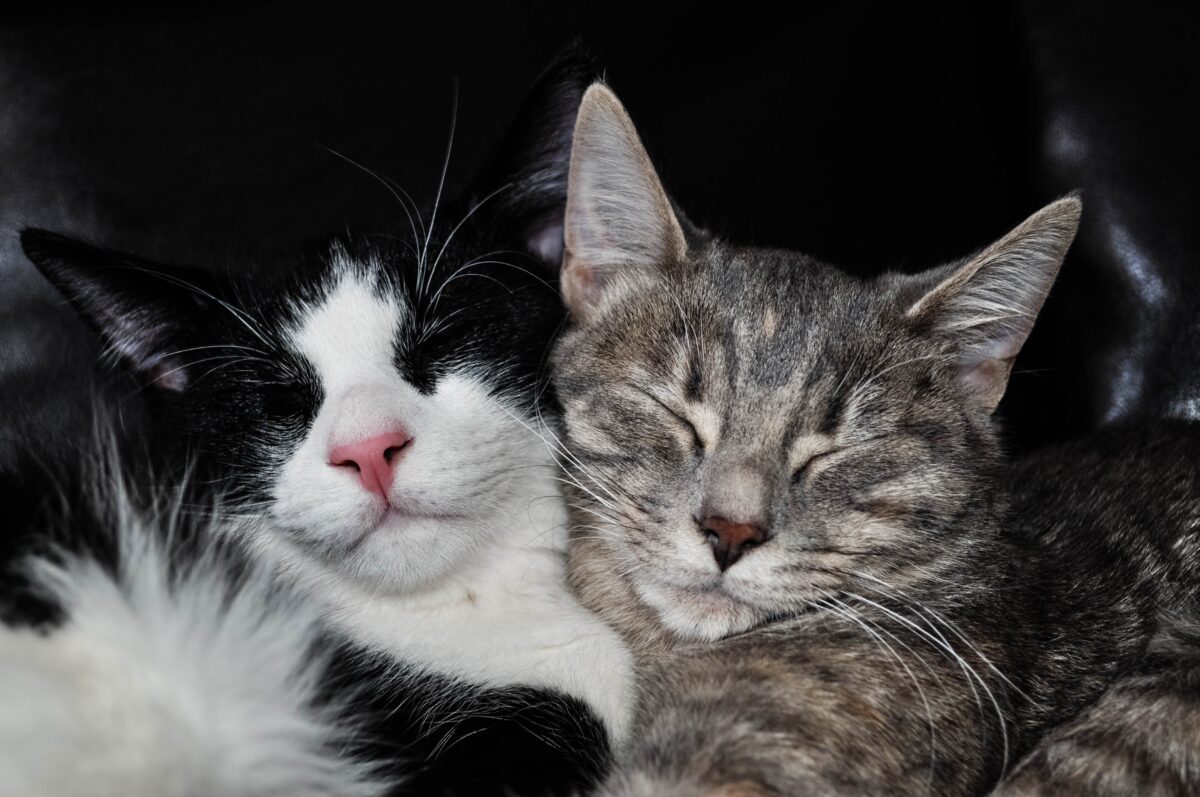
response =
{"points": [[523, 186], [147, 313]]}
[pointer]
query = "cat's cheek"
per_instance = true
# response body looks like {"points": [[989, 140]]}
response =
{"points": [[321, 506], [881, 527], [320, 521], [590, 439]]}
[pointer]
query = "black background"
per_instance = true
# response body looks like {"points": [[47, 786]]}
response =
{"points": [[891, 135]]}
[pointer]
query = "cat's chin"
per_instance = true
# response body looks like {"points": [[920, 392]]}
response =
{"points": [[404, 552], [700, 613]]}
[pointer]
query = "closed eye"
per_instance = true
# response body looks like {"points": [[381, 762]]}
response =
{"points": [[697, 441], [817, 462], [812, 465]]}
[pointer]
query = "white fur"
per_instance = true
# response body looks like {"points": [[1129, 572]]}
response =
{"points": [[192, 685], [478, 592], [159, 686], [507, 619]]}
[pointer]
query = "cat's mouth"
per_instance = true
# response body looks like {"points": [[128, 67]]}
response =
{"points": [[393, 510], [705, 610], [397, 517], [708, 593]]}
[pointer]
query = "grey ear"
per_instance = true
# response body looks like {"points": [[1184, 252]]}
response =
{"points": [[618, 214], [986, 308]]}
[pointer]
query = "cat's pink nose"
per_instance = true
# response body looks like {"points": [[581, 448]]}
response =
{"points": [[373, 459]]}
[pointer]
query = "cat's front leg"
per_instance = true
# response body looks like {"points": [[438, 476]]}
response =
{"points": [[1142, 737], [818, 707]]}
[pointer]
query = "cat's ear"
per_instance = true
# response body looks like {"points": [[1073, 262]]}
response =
{"points": [[986, 308], [142, 310], [618, 213], [523, 185]]}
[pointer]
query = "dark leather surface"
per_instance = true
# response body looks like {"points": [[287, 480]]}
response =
{"points": [[1117, 87], [889, 136]]}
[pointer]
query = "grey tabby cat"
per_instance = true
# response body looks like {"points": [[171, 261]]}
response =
{"points": [[790, 497]]}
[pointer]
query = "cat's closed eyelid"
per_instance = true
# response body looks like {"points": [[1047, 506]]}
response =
{"points": [[823, 453], [808, 449], [814, 465], [697, 439]]}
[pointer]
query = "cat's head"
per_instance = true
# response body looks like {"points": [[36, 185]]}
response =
{"points": [[375, 399], [751, 430]]}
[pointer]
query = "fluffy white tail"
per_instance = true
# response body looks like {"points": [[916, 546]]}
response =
{"points": [[169, 679]]}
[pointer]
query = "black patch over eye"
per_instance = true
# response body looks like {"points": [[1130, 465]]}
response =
{"points": [[284, 400], [293, 398], [427, 345], [419, 367]]}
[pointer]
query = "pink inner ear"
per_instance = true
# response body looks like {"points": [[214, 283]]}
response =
{"points": [[985, 364], [168, 375], [983, 376], [582, 287]]}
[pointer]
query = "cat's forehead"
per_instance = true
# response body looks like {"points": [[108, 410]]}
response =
{"points": [[347, 315], [378, 281], [787, 290], [777, 319], [348, 330], [757, 334], [364, 310]]}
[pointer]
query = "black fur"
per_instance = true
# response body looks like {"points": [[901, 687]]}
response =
{"points": [[223, 420]]}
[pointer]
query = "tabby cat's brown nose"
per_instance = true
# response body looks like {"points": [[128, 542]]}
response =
{"points": [[730, 540]]}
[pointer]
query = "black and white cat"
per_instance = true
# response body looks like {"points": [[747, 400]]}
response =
{"points": [[372, 415]]}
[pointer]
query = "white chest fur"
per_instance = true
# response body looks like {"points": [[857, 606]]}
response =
{"points": [[509, 620], [468, 578]]}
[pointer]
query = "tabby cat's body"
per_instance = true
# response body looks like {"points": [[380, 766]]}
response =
{"points": [[790, 496]]}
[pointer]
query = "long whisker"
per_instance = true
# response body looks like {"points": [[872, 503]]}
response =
{"points": [[241, 316], [558, 447], [437, 294], [395, 190], [438, 197], [940, 643], [843, 610], [463, 221], [216, 346], [953, 628], [863, 386]]}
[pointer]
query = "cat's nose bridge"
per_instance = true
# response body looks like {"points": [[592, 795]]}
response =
{"points": [[738, 489], [364, 412]]}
